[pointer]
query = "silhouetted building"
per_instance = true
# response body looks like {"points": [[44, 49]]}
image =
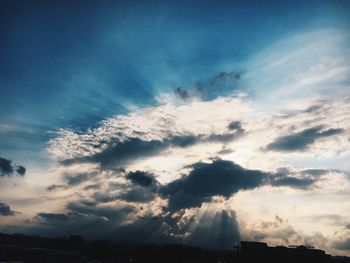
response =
{"points": [[258, 252], [36, 249]]}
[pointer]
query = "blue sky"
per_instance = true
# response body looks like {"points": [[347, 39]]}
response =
{"points": [[71, 65], [85, 83]]}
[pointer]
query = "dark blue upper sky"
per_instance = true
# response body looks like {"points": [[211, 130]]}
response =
{"points": [[70, 64]]}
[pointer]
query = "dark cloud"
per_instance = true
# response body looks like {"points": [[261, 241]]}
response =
{"points": [[56, 187], [53, 216], [225, 150], [235, 125], [301, 140], [293, 182], [225, 178], [181, 93], [342, 245], [141, 178], [227, 76], [138, 194], [313, 108], [205, 180], [92, 186], [104, 197], [21, 170], [183, 141], [226, 137], [111, 213], [315, 172], [144, 188], [5, 210], [221, 84], [119, 153], [97, 217], [8, 169], [79, 178], [236, 131], [109, 223], [303, 179]]}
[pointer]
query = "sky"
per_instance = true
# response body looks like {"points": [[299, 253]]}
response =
{"points": [[177, 121]]}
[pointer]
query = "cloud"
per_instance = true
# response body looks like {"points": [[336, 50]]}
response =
{"points": [[141, 178], [121, 153], [53, 216], [225, 178], [214, 229], [331, 219], [118, 153], [93, 221], [8, 169], [182, 93], [235, 125], [5, 210], [342, 245], [293, 182], [137, 194], [315, 172], [21, 170], [298, 179], [205, 180], [78, 178], [118, 214], [56, 187], [277, 229], [222, 84], [92, 186], [202, 182], [301, 140]]}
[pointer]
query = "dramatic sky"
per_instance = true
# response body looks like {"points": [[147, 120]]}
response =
{"points": [[204, 123]]}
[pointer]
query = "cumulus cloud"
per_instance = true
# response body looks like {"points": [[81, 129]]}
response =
{"points": [[301, 140], [141, 178], [8, 169], [205, 180], [224, 178], [53, 216], [5, 210], [276, 230]]}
